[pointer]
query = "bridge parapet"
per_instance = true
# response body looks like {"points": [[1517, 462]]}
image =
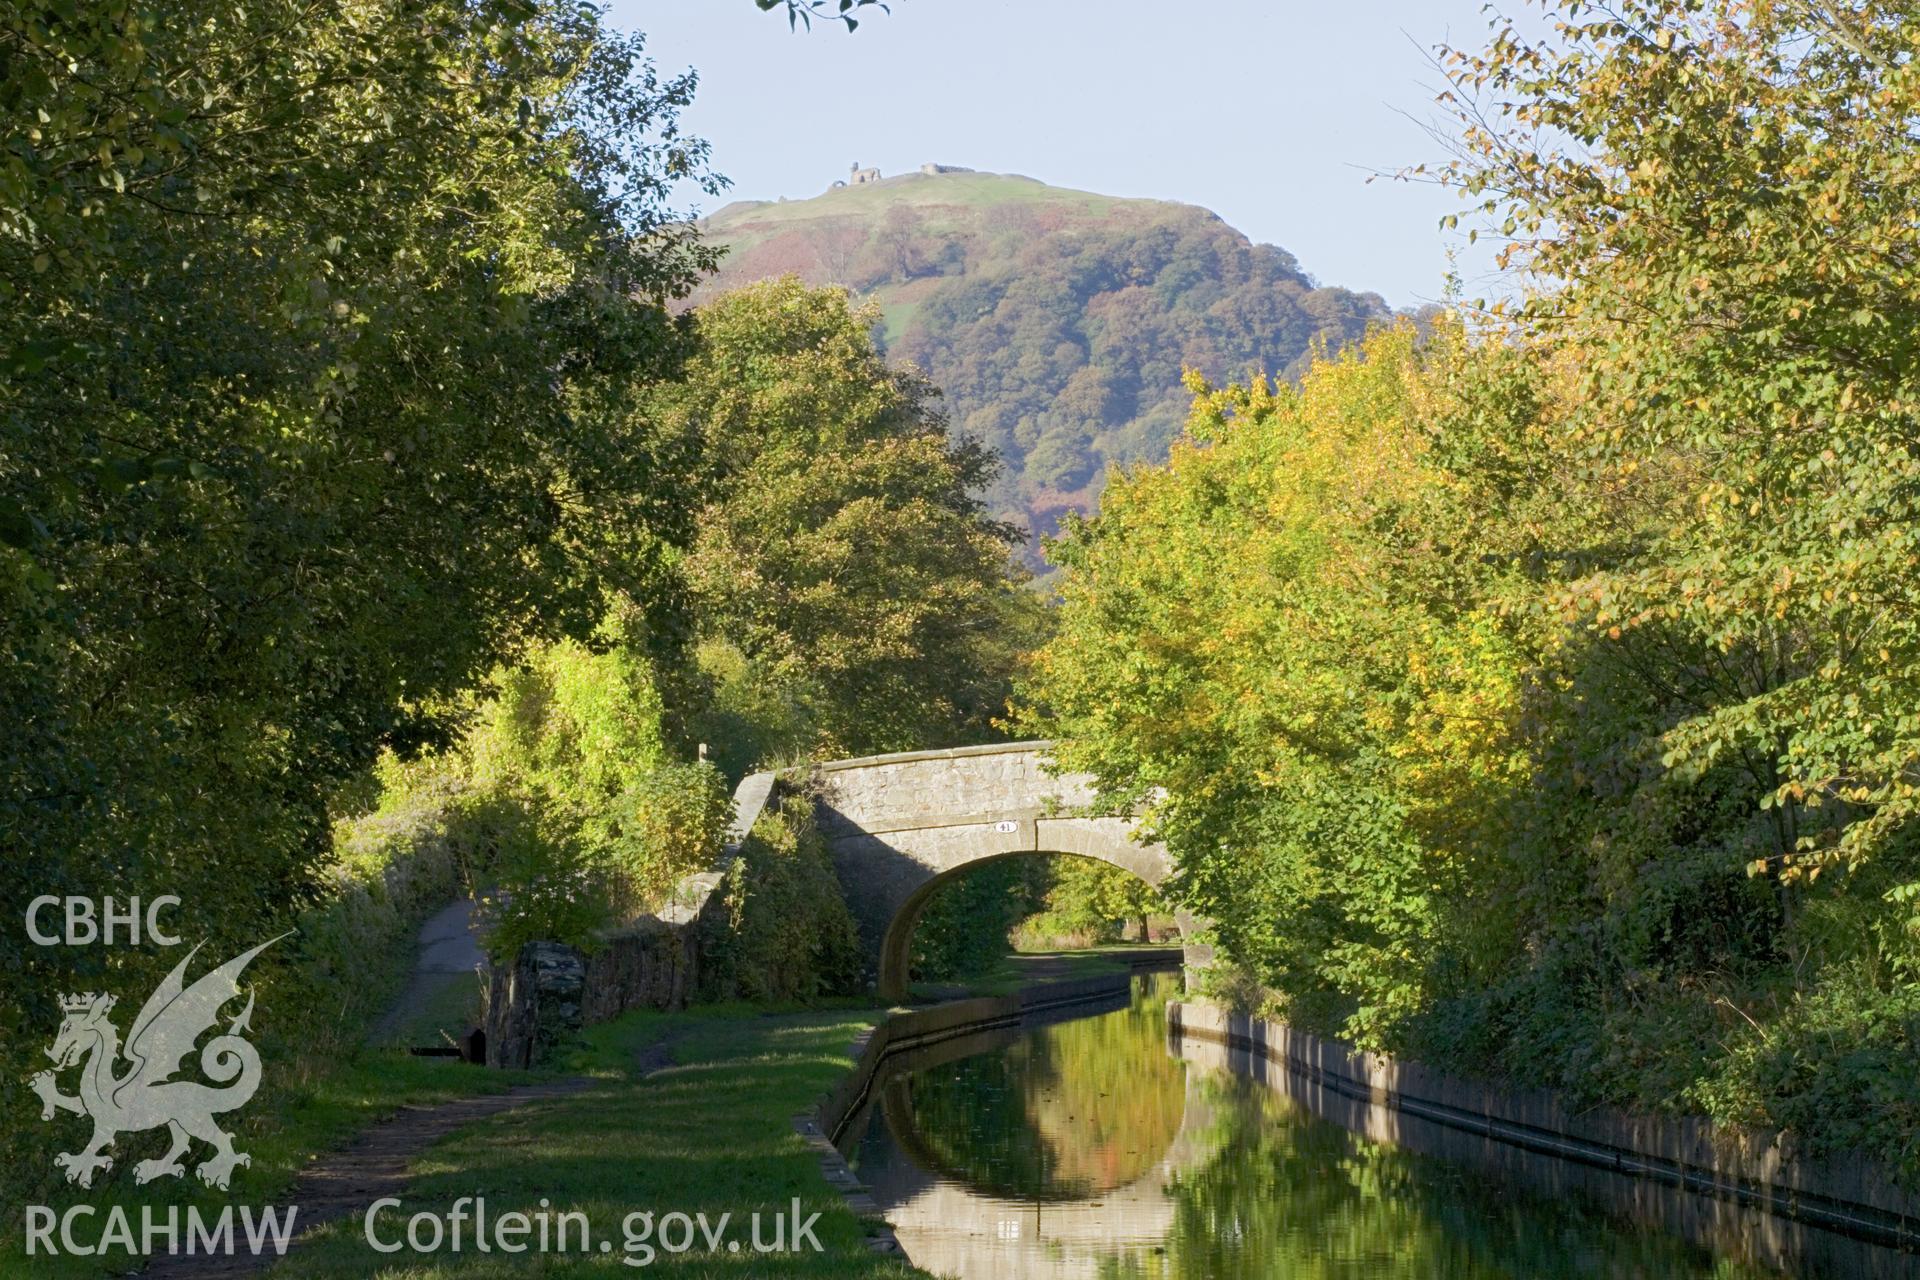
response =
{"points": [[911, 790], [900, 825]]}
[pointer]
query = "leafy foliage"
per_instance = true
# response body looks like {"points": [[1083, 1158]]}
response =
{"points": [[789, 935], [597, 820], [1087, 903], [1243, 629], [317, 331], [963, 929], [326, 337], [849, 591], [1430, 806], [805, 12], [573, 813], [1727, 193], [973, 920], [835, 588]]}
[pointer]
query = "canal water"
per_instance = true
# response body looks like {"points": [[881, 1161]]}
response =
{"points": [[1094, 1147]]}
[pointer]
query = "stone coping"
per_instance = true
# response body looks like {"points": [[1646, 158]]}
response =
{"points": [[750, 799], [937, 753]]}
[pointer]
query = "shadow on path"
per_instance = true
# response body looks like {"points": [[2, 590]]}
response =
{"points": [[343, 1183]]}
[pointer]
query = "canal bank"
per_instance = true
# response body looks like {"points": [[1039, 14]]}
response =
{"points": [[1728, 1189]]}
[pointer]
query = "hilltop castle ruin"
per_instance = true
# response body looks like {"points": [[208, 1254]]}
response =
{"points": [[858, 177]]}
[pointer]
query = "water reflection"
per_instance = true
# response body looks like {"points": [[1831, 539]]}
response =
{"points": [[1063, 1113], [1088, 1149]]}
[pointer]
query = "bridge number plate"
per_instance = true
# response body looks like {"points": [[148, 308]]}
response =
{"points": [[1006, 826]]}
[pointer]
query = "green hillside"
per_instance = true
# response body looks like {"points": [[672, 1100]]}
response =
{"points": [[1057, 322]]}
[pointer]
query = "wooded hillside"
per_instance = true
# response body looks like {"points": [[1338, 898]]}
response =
{"points": [[1057, 322]]}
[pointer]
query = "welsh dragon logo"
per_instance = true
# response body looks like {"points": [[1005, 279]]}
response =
{"points": [[144, 1095]]}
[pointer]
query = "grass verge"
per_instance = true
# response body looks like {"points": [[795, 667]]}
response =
{"points": [[316, 1111], [708, 1133]]}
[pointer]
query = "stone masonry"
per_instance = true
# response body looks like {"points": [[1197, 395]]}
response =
{"points": [[901, 825]]}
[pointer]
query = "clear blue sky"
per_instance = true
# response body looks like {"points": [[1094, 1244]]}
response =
{"points": [[1270, 113]]}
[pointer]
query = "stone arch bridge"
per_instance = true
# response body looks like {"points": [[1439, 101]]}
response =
{"points": [[900, 826]]}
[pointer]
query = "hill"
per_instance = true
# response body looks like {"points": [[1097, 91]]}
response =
{"points": [[1057, 322]]}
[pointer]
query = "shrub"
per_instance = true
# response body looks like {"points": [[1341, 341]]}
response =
{"points": [[542, 882], [584, 819], [789, 934], [666, 824], [966, 924]]}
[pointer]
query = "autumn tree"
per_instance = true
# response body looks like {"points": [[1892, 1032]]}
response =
{"points": [[1719, 201], [1533, 694]]}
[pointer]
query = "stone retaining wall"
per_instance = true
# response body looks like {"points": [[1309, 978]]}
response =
{"points": [[552, 990], [1715, 1183], [534, 1005]]}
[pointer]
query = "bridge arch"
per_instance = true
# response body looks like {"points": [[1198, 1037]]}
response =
{"points": [[895, 958], [900, 825]]}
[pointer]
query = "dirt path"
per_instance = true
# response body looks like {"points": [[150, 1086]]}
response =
{"points": [[343, 1183], [448, 952]]}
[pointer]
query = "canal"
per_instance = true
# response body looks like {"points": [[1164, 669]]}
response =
{"points": [[1091, 1146]]}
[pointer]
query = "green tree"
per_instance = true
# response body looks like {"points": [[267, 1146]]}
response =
{"points": [[1469, 681], [1094, 900], [850, 591], [319, 333], [1724, 196], [1250, 644], [964, 929]]}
